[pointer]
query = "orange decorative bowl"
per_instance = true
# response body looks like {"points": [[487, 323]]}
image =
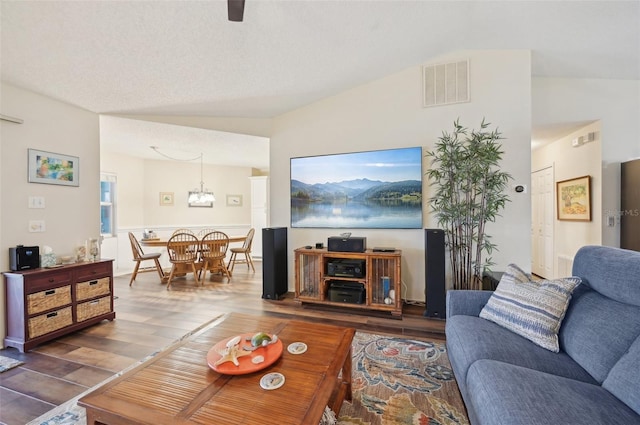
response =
{"points": [[271, 353]]}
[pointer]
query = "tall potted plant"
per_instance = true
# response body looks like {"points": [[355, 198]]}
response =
{"points": [[469, 192]]}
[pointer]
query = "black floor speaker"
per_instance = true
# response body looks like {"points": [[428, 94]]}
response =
{"points": [[434, 289], [274, 263]]}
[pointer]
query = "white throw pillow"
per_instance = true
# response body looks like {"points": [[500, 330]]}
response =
{"points": [[532, 309]]}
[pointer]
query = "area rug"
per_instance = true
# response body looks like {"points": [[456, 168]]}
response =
{"points": [[396, 381], [7, 363]]}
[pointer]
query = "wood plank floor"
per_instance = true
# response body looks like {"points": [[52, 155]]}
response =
{"points": [[148, 318]]}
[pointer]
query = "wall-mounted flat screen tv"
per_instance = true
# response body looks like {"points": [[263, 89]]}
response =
{"points": [[368, 190]]}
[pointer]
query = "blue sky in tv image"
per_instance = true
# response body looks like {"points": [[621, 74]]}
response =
{"points": [[377, 189], [391, 165]]}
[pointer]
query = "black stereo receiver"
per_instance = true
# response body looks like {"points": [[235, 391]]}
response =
{"points": [[24, 257], [346, 292], [342, 267]]}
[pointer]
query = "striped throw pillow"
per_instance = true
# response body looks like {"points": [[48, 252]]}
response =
{"points": [[532, 309]]}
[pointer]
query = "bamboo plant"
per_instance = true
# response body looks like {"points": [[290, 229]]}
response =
{"points": [[469, 192]]}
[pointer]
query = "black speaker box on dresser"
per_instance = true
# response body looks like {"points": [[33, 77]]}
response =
{"points": [[347, 244], [434, 256], [274, 262]]}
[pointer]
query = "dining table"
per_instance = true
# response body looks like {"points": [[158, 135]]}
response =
{"points": [[160, 242]]}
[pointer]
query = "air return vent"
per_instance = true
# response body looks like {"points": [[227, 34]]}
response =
{"points": [[446, 83]]}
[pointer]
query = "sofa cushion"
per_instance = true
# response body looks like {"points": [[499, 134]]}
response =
{"points": [[504, 394], [471, 338], [624, 379], [597, 331], [612, 272], [532, 309]]}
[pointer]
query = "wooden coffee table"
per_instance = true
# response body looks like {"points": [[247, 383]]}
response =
{"points": [[177, 385]]}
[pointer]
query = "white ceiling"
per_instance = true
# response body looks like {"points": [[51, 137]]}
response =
{"points": [[185, 58]]}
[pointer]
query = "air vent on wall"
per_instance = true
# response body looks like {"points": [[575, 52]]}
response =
{"points": [[446, 83]]}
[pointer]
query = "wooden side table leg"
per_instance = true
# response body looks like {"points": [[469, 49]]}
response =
{"points": [[91, 419], [346, 376]]}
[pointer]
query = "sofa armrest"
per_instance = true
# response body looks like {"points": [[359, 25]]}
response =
{"points": [[465, 302]]}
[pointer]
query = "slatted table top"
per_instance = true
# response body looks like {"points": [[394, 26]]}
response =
{"points": [[178, 387]]}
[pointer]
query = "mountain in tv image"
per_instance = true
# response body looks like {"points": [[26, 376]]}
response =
{"points": [[359, 203], [360, 190]]}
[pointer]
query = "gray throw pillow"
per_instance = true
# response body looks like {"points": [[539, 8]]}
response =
{"points": [[530, 308]]}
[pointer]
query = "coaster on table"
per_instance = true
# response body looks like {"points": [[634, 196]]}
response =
{"points": [[297, 347], [272, 381]]}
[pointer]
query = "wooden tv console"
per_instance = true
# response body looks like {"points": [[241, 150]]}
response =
{"points": [[45, 303], [313, 280]]}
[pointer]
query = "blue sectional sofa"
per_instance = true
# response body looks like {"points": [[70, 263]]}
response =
{"points": [[595, 377]]}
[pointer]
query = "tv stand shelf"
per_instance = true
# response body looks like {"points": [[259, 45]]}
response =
{"points": [[313, 281]]}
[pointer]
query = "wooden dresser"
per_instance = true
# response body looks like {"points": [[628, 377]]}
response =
{"points": [[45, 303]]}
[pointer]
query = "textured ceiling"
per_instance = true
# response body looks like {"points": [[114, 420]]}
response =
{"points": [[185, 58]]}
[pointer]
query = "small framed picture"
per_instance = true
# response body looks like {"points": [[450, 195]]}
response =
{"points": [[234, 200], [166, 198], [53, 168], [574, 199]]}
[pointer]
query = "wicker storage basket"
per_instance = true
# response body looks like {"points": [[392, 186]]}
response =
{"points": [[92, 288], [48, 300], [93, 308], [49, 322]]}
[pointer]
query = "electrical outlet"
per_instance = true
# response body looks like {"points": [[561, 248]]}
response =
{"points": [[36, 226]]}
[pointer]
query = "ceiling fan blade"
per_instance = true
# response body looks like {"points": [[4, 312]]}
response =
{"points": [[235, 9]]}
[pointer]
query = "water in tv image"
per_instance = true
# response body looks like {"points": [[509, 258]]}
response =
{"points": [[368, 190]]}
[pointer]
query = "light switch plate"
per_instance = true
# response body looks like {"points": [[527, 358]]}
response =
{"points": [[36, 201]]}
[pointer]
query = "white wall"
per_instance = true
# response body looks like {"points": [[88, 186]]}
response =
{"points": [[388, 113], [71, 214], [616, 103], [570, 162], [139, 183]]}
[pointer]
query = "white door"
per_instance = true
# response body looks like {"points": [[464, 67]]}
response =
{"points": [[259, 211], [542, 216]]}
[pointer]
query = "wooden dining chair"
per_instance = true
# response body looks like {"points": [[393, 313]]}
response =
{"points": [[205, 231], [245, 250], [183, 254], [185, 230], [139, 256], [213, 252]]}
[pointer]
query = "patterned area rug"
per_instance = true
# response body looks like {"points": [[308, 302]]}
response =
{"points": [[7, 363], [396, 381]]}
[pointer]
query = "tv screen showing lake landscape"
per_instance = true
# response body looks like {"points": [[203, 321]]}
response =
{"points": [[368, 190]]}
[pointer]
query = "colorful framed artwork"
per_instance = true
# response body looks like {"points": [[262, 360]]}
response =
{"points": [[53, 168], [166, 198], [573, 199], [234, 200]]}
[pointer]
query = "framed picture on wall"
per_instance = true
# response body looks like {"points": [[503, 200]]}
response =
{"points": [[573, 199], [166, 198], [53, 168], [234, 200]]}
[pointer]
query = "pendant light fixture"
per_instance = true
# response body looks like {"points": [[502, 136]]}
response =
{"points": [[201, 196], [197, 197]]}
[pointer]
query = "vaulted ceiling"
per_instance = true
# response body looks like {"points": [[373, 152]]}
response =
{"points": [[186, 58]]}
